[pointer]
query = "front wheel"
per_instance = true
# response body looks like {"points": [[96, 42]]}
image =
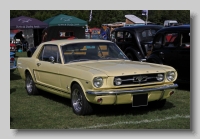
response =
{"points": [[79, 103], [31, 89]]}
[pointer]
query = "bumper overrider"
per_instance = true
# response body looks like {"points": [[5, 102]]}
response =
{"points": [[133, 91]]}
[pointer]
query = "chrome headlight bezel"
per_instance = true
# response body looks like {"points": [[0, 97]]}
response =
{"points": [[171, 75], [98, 82]]}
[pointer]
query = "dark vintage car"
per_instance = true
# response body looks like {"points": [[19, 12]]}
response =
{"points": [[171, 46], [135, 41], [59, 33]]}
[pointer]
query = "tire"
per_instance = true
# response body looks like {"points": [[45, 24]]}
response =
{"points": [[158, 104], [79, 103], [131, 56], [31, 89]]}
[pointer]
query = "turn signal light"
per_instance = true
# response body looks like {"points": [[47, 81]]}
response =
{"points": [[99, 100]]}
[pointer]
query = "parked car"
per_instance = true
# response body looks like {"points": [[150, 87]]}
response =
{"points": [[171, 46], [168, 23], [135, 41], [90, 72], [12, 62]]}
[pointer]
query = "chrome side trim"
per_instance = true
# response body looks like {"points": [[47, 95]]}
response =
{"points": [[116, 92]]}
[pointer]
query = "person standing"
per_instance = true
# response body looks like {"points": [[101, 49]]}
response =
{"points": [[105, 32], [24, 43]]}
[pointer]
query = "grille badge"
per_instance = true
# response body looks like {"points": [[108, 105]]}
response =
{"points": [[139, 78]]}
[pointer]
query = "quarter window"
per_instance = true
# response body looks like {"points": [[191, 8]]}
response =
{"points": [[48, 51]]}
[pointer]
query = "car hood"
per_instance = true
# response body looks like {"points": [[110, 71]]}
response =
{"points": [[118, 68]]}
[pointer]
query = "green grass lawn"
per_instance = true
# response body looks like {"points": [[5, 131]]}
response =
{"points": [[48, 111]]}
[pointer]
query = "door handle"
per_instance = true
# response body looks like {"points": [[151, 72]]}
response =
{"points": [[38, 64]]}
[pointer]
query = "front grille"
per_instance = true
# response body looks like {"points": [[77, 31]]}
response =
{"points": [[138, 79]]}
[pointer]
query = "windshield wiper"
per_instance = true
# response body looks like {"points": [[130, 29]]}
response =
{"points": [[109, 58], [78, 60]]}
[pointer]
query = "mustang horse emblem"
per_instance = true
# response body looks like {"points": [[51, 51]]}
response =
{"points": [[139, 78]]}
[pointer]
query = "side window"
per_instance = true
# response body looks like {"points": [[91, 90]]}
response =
{"points": [[48, 51], [144, 34], [120, 36], [113, 39], [171, 40], [185, 39], [153, 32], [128, 37]]}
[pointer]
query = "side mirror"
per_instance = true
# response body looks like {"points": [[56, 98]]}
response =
{"points": [[51, 59]]}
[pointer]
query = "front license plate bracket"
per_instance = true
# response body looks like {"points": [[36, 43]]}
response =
{"points": [[140, 100]]}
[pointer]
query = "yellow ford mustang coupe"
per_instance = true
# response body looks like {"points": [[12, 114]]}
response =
{"points": [[95, 72]]}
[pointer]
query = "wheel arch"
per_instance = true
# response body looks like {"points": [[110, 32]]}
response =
{"points": [[134, 52], [28, 71], [76, 81]]}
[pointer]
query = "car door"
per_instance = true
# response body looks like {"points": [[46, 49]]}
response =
{"points": [[184, 56], [47, 72], [120, 39]]}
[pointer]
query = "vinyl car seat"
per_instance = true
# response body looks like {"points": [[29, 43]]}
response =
{"points": [[92, 53]]}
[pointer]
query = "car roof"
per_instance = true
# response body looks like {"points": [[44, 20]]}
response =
{"points": [[173, 28], [139, 27], [64, 42]]}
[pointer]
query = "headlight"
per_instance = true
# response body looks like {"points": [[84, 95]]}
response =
{"points": [[118, 81], [160, 77], [98, 82], [171, 75]]}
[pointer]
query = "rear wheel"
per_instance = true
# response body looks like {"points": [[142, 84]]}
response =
{"points": [[30, 85], [79, 103]]}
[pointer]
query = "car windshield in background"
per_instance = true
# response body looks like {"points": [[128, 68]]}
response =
{"points": [[91, 51]]}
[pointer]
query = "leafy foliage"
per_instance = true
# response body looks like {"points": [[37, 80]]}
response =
{"points": [[107, 16]]}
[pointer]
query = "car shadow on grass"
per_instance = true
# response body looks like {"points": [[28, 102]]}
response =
{"points": [[124, 109], [14, 76], [56, 98], [12, 90]]}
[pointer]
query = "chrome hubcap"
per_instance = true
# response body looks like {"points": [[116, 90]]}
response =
{"points": [[29, 84], [77, 100]]}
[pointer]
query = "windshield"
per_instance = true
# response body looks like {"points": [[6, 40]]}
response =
{"points": [[91, 51]]}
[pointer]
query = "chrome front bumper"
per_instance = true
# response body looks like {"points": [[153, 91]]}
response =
{"points": [[133, 91]]}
